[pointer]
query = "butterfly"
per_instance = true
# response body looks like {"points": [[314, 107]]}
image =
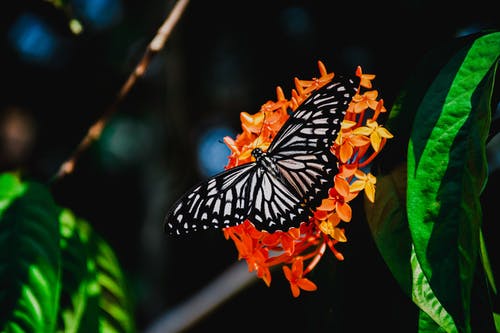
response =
{"points": [[280, 189]]}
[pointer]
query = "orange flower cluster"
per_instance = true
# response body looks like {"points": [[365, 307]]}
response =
{"points": [[361, 138]]}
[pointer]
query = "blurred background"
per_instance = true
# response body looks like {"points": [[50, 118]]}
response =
{"points": [[63, 63]]}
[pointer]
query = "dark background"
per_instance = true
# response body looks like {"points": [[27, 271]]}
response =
{"points": [[224, 57]]}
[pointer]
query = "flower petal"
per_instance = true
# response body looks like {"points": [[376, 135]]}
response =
{"points": [[288, 273], [363, 130], [370, 191], [344, 211], [342, 186], [306, 284], [375, 140], [294, 233], [357, 186], [383, 132], [327, 205], [346, 124], [339, 234], [359, 140], [346, 152]]}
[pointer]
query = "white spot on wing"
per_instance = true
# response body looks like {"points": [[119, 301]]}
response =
{"points": [[267, 188], [217, 206], [227, 209]]}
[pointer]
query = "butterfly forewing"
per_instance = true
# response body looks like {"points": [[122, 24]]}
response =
{"points": [[302, 146], [281, 189]]}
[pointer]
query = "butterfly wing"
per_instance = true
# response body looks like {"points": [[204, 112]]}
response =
{"points": [[273, 205], [301, 153], [227, 199], [301, 148], [219, 202]]}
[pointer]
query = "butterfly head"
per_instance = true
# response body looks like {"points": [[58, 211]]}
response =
{"points": [[257, 153]]}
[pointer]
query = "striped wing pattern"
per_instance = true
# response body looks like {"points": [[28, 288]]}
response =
{"points": [[281, 188], [302, 148], [219, 202]]}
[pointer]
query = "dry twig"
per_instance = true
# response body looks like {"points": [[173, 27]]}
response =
{"points": [[95, 131]]}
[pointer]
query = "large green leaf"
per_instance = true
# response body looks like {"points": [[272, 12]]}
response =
{"points": [[403, 111], [29, 257], [95, 295], [389, 226], [447, 171], [427, 325], [444, 110]]}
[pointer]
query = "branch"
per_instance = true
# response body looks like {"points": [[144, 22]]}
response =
{"points": [[178, 319], [95, 131]]}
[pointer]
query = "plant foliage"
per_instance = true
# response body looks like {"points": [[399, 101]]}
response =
{"points": [[57, 274], [427, 217]]}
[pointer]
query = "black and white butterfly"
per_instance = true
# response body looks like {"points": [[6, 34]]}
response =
{"points": [[282, 186]]}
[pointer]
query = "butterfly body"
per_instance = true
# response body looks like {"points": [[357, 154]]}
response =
{"points": [[282, 186], [265, 163]]}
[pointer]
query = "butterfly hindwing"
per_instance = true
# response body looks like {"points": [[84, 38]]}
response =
{"points": [[273, 205], [311, 175]]}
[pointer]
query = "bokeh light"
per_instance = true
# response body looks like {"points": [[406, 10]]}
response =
{"points": [[99, 14], [125, 142], [296, 22], [34, 40], [212, 152]]}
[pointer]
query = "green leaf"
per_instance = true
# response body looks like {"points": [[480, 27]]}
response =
{"points": [[76, 278], [486, 264], [447, 171], [56, 273], [427, 325], [423, 295], [114, 302], [10, 188], [29, 257], [403, 111], [95, 296], [415, 116], [496, 317], [389, 226]]}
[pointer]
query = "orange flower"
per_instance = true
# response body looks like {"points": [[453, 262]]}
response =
{"points": [[375, 131], [364, 182], [359, 141], [365, 79], [364, 101], [296, 279], [329, 227], [255, 256], [347, 141]]}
